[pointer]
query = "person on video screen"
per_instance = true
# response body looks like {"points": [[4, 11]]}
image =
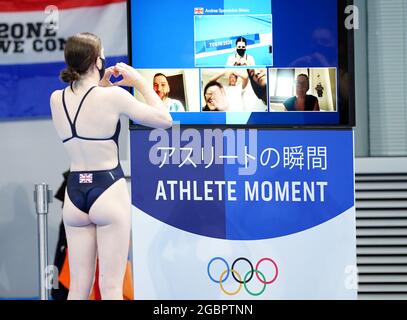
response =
{"points": [[162, 88], [215, 97], [302, 101], [240, 58], [237, 82], [258, 81]]}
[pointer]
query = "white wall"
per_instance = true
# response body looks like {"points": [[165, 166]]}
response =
{"points": [[30, 153]]}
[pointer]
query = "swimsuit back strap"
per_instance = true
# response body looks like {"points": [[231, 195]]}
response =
{"points": [[66, 110], [80, 106]]}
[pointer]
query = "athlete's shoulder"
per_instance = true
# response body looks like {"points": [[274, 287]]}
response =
{"points": [[55, 97], [113, 97], [56, 93], [112, 91]]}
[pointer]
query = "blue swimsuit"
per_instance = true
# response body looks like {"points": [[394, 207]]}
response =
{"points": [[85, 187]]}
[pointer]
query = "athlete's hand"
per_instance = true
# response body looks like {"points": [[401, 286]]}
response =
{"points": [[109, 72], [131, 77]]}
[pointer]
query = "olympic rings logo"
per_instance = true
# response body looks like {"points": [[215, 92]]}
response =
{"points": [[247, 277]]}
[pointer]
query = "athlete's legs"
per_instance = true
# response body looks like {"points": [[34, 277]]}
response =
{"points": [[111, 213], [81, 238]]}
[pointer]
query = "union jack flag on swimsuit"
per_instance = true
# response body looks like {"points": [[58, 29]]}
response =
{"points": [[85, 178]]}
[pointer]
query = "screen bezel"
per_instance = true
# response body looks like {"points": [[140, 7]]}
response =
{"points": [[346, 90]]}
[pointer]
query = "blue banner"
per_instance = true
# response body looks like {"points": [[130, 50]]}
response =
{"points": [[262, 184]]}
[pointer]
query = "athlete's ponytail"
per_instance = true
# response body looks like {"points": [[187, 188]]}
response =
{"points": [[69, 75]]}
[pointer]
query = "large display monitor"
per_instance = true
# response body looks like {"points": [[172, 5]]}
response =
{"points": [[262, 63]]}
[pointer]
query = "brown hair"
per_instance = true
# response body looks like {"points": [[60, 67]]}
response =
{"points": [[81, 51]]}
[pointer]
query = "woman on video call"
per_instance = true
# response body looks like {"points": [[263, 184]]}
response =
{"points": [[302, 101]]}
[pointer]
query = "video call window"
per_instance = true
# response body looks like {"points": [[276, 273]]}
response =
{"points": [[303, 89], [234, 90], [177, 88], [233, 40]]}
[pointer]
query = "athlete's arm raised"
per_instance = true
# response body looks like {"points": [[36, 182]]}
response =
{"points": [[153, 113]]}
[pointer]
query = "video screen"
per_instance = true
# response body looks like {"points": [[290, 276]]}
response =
{"points": [[242, 62]]}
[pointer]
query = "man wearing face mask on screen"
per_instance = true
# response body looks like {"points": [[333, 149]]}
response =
{"points": [[240, 58]]}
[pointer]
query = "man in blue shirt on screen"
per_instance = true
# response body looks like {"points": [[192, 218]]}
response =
{"points": [[162, 88]]}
